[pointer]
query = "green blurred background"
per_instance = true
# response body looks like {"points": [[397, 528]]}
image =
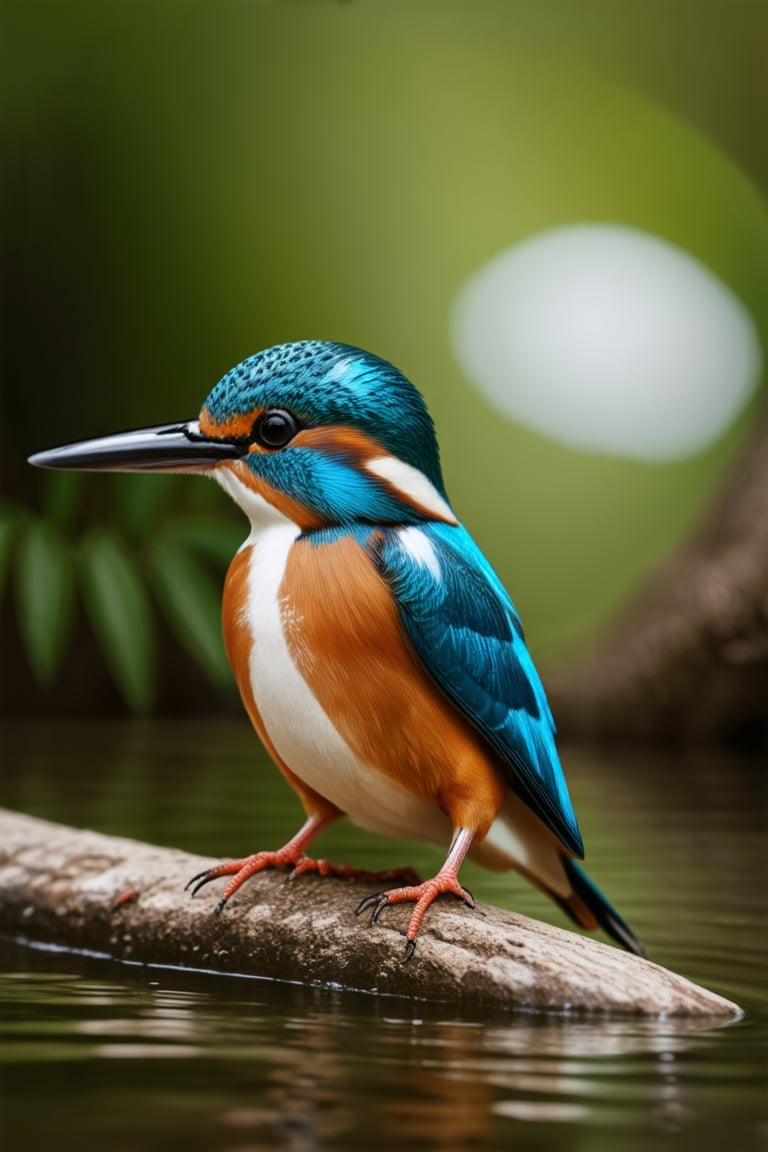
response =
{"points": [[186, 183]]}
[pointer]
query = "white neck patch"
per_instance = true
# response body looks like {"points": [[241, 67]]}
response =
{"points": [[412, 484], [259, 511]]}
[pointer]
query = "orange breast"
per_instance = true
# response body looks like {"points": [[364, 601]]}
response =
{"points": [[344, 634]]}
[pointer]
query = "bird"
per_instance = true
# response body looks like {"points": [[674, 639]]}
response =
{"points": [[377, 653]]}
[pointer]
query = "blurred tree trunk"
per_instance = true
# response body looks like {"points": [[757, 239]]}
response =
{"points": [[688, 658]]}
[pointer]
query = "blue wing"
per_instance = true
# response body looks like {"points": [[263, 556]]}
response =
{"points": [[467, 632]]}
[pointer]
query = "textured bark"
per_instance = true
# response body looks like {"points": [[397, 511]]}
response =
{"points": [[688, 659], [60, 885]]}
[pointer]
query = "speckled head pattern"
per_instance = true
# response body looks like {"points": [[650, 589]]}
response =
{"points": [[333, 384]]}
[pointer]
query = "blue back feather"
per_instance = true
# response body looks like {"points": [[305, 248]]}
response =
{"points": [[468, 635]]}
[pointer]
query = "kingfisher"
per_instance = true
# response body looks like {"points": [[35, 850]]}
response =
{"points": [[377, 653]]}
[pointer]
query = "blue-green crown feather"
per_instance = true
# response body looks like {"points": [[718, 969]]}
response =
{"points": [[326, 383]]}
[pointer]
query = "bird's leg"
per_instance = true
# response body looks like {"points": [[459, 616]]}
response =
{"points": [[447, 880], [292, 854]]}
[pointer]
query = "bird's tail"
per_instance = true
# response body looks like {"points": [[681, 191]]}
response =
{"points": [[587, 906]]}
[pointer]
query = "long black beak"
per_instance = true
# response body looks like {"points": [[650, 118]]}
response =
{"points": [[164, 448]]}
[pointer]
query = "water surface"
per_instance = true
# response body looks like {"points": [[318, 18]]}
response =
{"points": [[99, 1054]]}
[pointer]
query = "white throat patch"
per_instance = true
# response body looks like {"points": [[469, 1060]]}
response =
{"points": [[259, 511]]}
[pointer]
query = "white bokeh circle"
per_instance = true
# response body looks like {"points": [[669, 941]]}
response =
{"points": [[608, 339]]}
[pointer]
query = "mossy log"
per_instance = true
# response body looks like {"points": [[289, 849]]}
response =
{"points": [[87, 891]]}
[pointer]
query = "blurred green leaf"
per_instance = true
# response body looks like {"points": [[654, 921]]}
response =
{"points": [[61, 497], [119, 611], [44, 596], [191, 602], [215, 538], [140, 500]]}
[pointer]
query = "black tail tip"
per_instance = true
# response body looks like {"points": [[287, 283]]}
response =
{"points": [[605, 915], [623, 934]]}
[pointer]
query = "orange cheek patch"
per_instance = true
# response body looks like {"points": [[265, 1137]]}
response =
{"points": [[342, 441]]}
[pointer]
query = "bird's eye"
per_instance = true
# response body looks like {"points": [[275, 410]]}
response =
{"points": [[274, 428]]}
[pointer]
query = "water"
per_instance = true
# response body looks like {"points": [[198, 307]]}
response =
{"points": [[94, 1054]]}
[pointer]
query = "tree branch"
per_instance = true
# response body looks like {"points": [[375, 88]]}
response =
{"points": [[688, 659], [59, 885]]}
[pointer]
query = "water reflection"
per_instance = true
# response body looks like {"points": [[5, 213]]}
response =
{"points": [[276, 1066]]}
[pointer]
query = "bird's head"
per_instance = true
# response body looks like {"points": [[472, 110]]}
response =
{"points": [[321, 433]]}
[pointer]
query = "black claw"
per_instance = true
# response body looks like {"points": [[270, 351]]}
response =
{"points": [[201, 883], [410, 948], [367, 901], [201, 879], [471, 902], [220, 906], [382, 904], [197, 877]]}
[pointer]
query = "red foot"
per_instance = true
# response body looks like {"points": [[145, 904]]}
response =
{"points": [[422, 895], [242, 870]]}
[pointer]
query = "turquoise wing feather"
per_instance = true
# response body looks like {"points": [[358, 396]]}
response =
{"points": [[469, 637]]}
